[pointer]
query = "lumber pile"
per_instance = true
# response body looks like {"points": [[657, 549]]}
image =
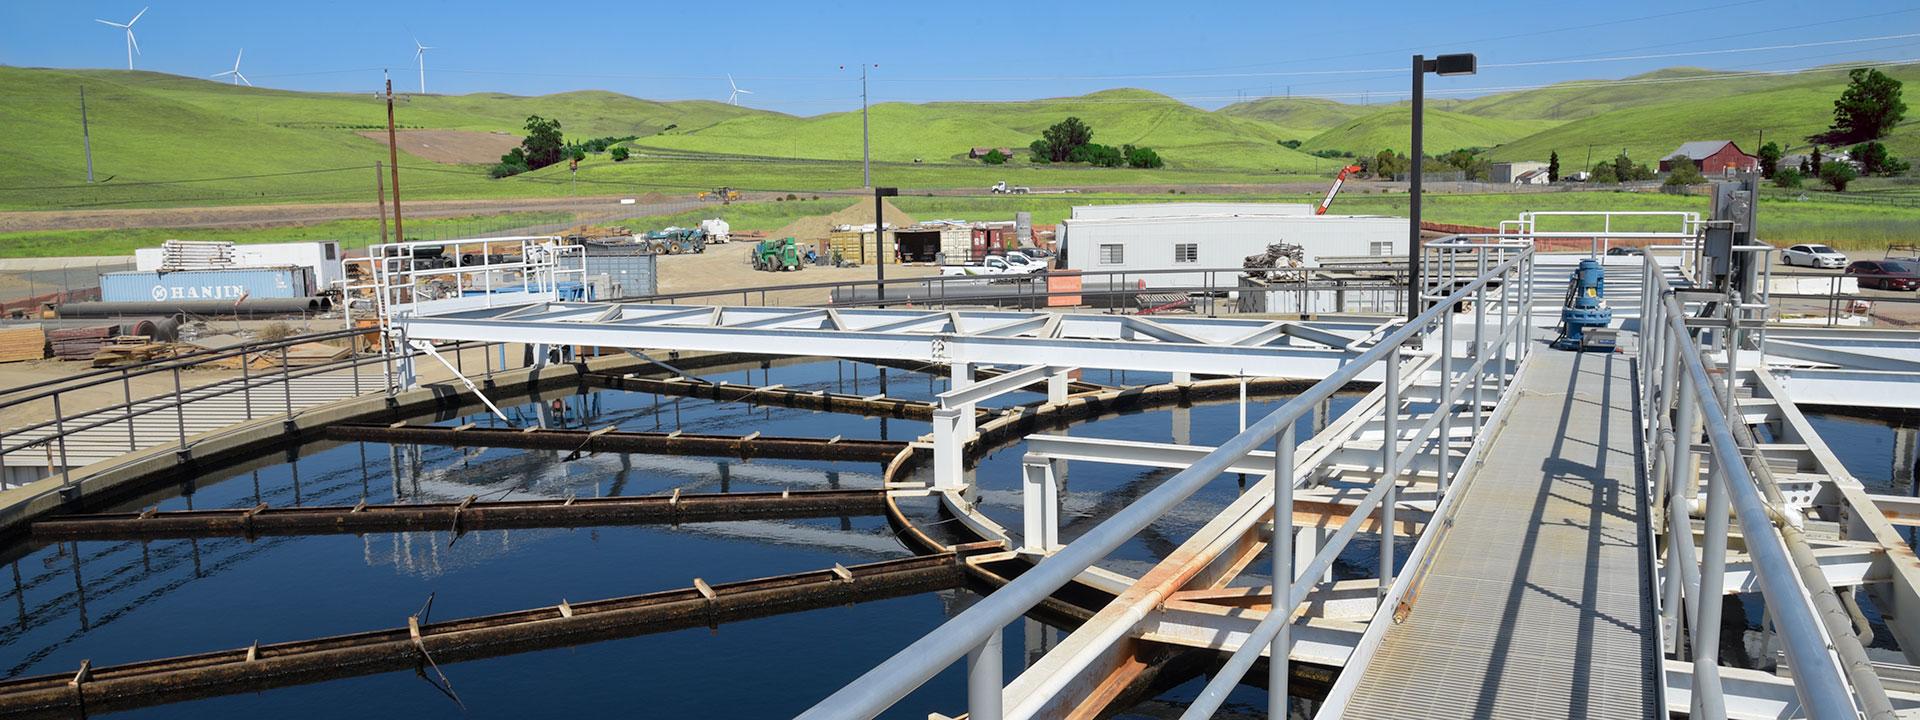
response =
{"points": [[80, 343], [135, 349], [22, 342]]}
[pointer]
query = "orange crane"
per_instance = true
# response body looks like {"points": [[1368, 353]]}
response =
{"points": [[1338, 180]]}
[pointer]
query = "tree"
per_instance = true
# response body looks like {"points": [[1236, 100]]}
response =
{"points": [[1553, 166], [1066, 136], [994, 157], [512, 163], [1603, 172], [544, 145], [618, 154], [1813, 166], [1684, 173], [1787, 178], [1289, 144], [1097, 155], [1388, 164], [1867, 110], [1040, 152], [1837, 174], [1140, 157], [1769, 159], [1875, 160]]}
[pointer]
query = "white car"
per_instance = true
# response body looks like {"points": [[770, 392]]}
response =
{"points": [[1814, 256]]}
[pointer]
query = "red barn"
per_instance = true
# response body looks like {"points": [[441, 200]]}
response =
{"points": [[1713, 157]]}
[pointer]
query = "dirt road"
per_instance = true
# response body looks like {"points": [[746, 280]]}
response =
{"points": [[274, 215], [726, 266]]}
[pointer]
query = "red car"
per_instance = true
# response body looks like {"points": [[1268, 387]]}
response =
{"points": [[1886, 274]]}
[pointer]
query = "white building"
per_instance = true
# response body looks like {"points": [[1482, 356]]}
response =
{"points": [[1219, 241], [1512, 172], [1187, 209]]}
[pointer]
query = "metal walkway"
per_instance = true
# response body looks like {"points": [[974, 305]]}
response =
{"points": [[1536, 604]]}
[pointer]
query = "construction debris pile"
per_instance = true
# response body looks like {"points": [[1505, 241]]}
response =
{"points": [[1278, 263]]}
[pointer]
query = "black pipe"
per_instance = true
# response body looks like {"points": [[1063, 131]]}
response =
{"points": [[222, 308]]}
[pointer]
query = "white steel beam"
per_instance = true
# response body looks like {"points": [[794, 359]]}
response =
{"points": [[1131, 452], [984, 390]]}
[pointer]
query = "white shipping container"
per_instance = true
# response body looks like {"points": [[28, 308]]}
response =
{"points": [[1221, 241], [323, 258], [1187, 209]]}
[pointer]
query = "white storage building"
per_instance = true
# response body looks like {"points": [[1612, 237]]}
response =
{"points": [[1186, 209], [1220, 241]]}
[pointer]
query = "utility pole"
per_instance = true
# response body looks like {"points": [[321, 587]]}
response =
{"points": [[1457, 64], [380, 191], [866, 139], [86, 139], [393, 155], [879, 242]]}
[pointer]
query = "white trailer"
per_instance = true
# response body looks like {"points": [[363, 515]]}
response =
{"points": [[1186, 209], [1221, 241]]}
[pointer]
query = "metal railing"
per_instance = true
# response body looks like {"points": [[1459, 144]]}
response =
{"points": [[1506, 273], [1685, 406], [273, 388]]}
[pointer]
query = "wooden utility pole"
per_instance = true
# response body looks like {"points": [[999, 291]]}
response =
{"points": [[393, 155], [86, 138], [380, 191]]}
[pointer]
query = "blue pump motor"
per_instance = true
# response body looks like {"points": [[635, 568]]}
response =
{"points": [[1586, 305]]}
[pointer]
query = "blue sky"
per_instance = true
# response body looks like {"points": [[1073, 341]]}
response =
{"points": [[789, 53]]}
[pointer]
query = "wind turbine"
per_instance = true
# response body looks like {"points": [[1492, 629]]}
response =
{"points": [[235, 72], [133, 46], [420, 56], [737, 92]]}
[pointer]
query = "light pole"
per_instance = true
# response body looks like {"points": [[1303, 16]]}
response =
{"points": [[879, 244], [1444, 65], [866, 143]]}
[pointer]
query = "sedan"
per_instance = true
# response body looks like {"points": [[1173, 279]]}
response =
{"points": [[1886, 274], [1813, 256]]}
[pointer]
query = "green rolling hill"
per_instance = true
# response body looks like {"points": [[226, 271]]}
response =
{"points": [[1392, 128], [255, 145], [943, 132]]}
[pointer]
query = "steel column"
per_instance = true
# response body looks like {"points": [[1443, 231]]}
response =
{"points": [[1390, 468], [1282, 551]]}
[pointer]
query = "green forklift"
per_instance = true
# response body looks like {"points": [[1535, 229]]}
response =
{"points": [[776, 255]]}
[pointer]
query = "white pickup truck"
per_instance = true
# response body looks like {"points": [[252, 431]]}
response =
{"points": [[1012, 263]]}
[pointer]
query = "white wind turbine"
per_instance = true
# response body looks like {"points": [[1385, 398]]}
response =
{"points": [[737, 92], [132, 45], [234, 74], [420, 56]]}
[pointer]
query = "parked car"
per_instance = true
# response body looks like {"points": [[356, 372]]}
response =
{"points": [[1886, 274], [1631, 251], [1813, 256]]}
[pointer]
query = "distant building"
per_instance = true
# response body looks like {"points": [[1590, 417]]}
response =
{"points": [[980, 152], [1510, 172], [1531, 177], [1712, 157]]}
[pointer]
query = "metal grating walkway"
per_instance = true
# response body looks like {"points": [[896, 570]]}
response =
{"points": [[1536, 603]]}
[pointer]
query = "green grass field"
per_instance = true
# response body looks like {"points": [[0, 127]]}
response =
{"points": [[162, 140]]}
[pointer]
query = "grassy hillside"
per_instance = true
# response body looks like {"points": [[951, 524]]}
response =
{"points": [[1392, 128], [1787, 114], [1587, 98], [1184, 135], [1299, 118]]}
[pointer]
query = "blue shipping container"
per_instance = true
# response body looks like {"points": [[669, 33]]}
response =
{"points": [[151, 286]]}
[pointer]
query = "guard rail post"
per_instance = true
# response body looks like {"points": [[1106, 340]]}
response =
{"points": [[246, 382], [286, 382], [180, 410], [1282, 552], [1389, 470], [126, 394], [60, 430]]}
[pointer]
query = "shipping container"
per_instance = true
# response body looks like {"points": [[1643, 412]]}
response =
{"points": [[322, 258], [1220, 241], [1186, 209], [235, 284], [617, 276]]}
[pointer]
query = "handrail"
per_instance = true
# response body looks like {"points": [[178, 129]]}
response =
{"points": [[1819, 679], [162, 364], [878, 689]]}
